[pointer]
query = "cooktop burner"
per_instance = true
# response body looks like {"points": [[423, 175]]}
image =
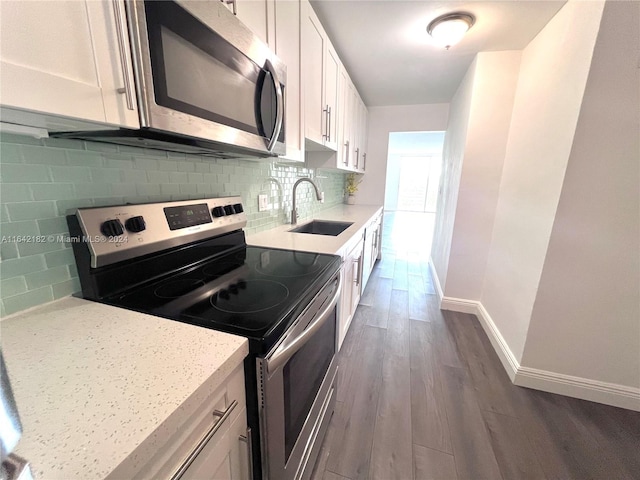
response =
{"points": [[263, 295]]}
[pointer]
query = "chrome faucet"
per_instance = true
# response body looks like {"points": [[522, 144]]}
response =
{"points": [[294, 210]]}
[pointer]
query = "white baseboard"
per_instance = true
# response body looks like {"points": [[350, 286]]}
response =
{"points": [[577, 387], [436, 280], [500, 345], [459, 305]]}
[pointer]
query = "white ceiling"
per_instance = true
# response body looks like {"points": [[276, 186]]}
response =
{"points": [[386, 49]]}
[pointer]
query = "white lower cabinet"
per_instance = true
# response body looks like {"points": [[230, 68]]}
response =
{"points": [[351, 282], [211, 443], [223, 458]]}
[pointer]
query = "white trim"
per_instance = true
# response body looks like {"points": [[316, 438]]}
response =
{"points": [[577, 387], [500, 345], [459, 305], [436, 280]]}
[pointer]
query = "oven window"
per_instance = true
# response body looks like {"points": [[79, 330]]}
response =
{"points": [[303, 375]]}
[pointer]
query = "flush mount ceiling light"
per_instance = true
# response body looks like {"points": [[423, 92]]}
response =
{"points": [[447, 30]]}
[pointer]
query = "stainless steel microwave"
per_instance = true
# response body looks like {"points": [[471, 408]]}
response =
{"points": [[204, 83]]}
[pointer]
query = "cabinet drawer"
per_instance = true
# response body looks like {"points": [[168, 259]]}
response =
{"points": [[225, 455], [180, 443]]}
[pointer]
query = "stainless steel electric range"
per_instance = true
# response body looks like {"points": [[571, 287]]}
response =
{"points": [[189, 261]]}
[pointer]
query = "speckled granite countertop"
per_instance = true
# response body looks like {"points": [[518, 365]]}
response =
{"points": [[280, 237], [98, 386]]}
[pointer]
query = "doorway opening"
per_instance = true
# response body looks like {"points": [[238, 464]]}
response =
{"points": [[414, 165]]}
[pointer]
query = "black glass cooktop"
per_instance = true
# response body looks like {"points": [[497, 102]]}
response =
{"points": [[254, 292]]}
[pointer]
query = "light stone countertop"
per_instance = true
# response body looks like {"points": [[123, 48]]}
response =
{"points": [[99, 387], [280, 237]]}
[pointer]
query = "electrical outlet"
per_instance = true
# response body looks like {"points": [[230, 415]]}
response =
{"points": [[263, 202]]}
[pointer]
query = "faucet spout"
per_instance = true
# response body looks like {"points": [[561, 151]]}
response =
{"points": [[294, 210]]}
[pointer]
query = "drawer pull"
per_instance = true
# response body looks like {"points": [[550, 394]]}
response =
{"points": [[222, 417], [247, 438]]}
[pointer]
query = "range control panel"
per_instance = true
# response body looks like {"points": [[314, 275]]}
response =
{"points": [[123, 232]]}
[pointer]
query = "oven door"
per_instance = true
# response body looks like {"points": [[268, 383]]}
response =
{"points": [[297, 384], [201, 73]]}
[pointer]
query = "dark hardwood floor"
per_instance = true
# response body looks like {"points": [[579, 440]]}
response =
{"points": [[422, 395]]}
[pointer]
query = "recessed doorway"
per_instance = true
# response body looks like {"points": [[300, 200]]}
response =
{"points": [[414, 164]]}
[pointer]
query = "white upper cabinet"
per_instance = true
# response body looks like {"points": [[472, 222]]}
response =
{"points": [[257, 15], [360, 123], [320, 67], [344, 121], [66, 59], [287, 48], [331, 81]]}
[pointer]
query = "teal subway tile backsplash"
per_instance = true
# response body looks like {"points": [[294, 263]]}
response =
{"points": [[12, 286], [26, 300], [42, 180]]}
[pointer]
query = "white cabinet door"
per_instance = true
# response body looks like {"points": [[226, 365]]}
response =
{"points": [[345, 301], [320, 67], [355, 122], [63, 58], [344, 121], [255, 15], [363, 132], [331, 80], [313, 47], [287, 48], [351, 281], [223, 458]]}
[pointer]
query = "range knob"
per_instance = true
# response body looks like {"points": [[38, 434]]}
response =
{"points": [[112, 228], [218, 212], [238, 208], [228, 209], [135, 224]]}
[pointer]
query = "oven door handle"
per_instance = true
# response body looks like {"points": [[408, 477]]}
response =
{"points": [[284, 353]]}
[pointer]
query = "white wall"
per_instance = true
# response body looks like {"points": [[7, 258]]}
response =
{"points": [[493, 92], [586, 317], [553, 74], [452, 158], [382, 121]]}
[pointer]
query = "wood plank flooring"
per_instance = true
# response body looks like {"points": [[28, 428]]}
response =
{"points": [[422, 395]]}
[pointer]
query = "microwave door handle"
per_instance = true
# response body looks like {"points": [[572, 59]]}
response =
{"points": [[283, 354], [279, 104]]}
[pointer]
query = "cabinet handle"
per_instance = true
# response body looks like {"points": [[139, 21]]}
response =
{"points": [[232, 3], [126, 70], [329, 125], [346, 160], [358, 271], [326, 122], [357, 157], [247, 438], [364, 161], [222, 417]]}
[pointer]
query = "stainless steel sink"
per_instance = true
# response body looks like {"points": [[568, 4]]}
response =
{"points": [[322, 227]]}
